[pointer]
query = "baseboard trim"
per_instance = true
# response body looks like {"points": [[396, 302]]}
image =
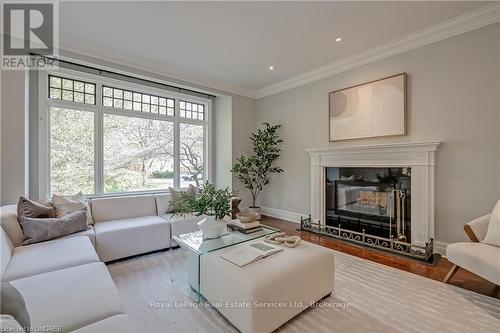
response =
{"points": [[282, 214], [440, 248]]}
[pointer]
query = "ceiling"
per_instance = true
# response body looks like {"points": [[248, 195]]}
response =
{"points": [[236, 42]]}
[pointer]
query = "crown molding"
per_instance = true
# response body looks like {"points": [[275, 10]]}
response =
{"points": [[475, 19], [472, 20], [90, 49]]}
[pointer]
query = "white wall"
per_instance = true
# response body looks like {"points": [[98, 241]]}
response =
{"points": [[13, 137], [453, 97]]}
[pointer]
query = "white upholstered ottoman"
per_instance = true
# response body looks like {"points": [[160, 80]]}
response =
{"points": [[264, 295]]}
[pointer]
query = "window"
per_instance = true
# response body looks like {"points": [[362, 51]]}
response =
{"points": [[192, 110], [138, 154], [128, 100], [71, 150], [104, 136], [191, 154], [71, 90]]}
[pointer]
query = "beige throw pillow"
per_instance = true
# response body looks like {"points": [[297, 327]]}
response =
{"points": [[493, 234], [65, 205], [174, 195]]}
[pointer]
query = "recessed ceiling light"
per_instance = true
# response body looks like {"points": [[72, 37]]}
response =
{"points": [[338, 39], [271, 68]]}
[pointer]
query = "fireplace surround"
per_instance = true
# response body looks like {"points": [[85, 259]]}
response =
{"points": [[419, 157]]}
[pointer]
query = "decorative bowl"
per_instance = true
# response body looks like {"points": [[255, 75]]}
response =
{"points": [[247, 217]]}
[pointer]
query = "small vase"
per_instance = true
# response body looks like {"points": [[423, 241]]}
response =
{"points": [[212, 228], [255, 210]]}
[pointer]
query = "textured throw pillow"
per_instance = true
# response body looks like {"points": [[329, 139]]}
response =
{"points": [[12, 304], [174, 195], [30, 208], [65, 205], [39, 230], [192, 190], [493, 234]]}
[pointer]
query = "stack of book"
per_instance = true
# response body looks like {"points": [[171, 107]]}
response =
{"points": [[246, 228]]}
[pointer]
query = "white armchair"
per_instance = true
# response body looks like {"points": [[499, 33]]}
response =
{"points": [[474, 256]]}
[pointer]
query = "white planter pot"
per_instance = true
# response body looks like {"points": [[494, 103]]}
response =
{"points": [[212, 228], [255, 210]]}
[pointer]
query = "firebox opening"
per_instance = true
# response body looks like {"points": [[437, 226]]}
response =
{"points": [[374, 200]]}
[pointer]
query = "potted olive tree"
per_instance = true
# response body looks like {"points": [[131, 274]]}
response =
{"points": [[255, 170], [213, 203]]}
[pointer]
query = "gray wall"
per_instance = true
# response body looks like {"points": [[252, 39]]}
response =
{"points": [[14, 138], [453, 97], [244, 120], [223, 142]]}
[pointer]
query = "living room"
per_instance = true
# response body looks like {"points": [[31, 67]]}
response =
{"points": [[250, 166]]}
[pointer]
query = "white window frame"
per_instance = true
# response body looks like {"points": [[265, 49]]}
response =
{"points": [[46, 103]]}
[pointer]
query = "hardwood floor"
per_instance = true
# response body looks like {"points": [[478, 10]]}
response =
{"points": [[462, 278]]}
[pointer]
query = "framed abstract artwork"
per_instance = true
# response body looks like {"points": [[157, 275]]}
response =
{"points": [[369, 110]]}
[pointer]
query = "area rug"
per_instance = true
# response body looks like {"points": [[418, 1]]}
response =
{"points": [[368, 297]]}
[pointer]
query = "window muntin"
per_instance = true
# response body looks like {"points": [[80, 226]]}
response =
{"points": [[138, 154], [71, 90], [191, 110], [71, 151], [170, 172], [135, 101]]}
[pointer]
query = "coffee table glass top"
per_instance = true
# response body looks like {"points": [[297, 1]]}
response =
{"points": [[195, 242]]}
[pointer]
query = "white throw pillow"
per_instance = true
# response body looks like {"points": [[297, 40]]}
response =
{"points": [[65, 205], [493, 234]]}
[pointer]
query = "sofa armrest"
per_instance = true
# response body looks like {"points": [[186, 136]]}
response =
{"points": [[10, 224], [476, 229]]}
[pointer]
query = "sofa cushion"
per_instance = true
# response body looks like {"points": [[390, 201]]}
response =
{"points": [[12, 303], [478, 258], [128, 237], [7, 248], [8, 218], [119, 323], [493, 233], [70, 298], [163, 203], [49, 256], [110, 209], [38, 230]]}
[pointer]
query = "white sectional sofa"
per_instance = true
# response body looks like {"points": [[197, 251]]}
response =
{"points": [[65, 283]]}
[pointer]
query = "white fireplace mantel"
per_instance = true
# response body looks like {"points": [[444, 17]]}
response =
{"points": [[419, 156]]}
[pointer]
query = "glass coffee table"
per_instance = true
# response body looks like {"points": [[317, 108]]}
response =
{"points": [[196, 246]]}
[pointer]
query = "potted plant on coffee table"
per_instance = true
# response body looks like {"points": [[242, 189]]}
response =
{"points": [[213, 203], [255, 170]]}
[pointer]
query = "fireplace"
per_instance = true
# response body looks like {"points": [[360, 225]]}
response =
{"points": [[376, 195], [376, 201]]}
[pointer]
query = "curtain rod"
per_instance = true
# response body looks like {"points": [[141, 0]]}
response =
{"points": [[179, 89]]}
